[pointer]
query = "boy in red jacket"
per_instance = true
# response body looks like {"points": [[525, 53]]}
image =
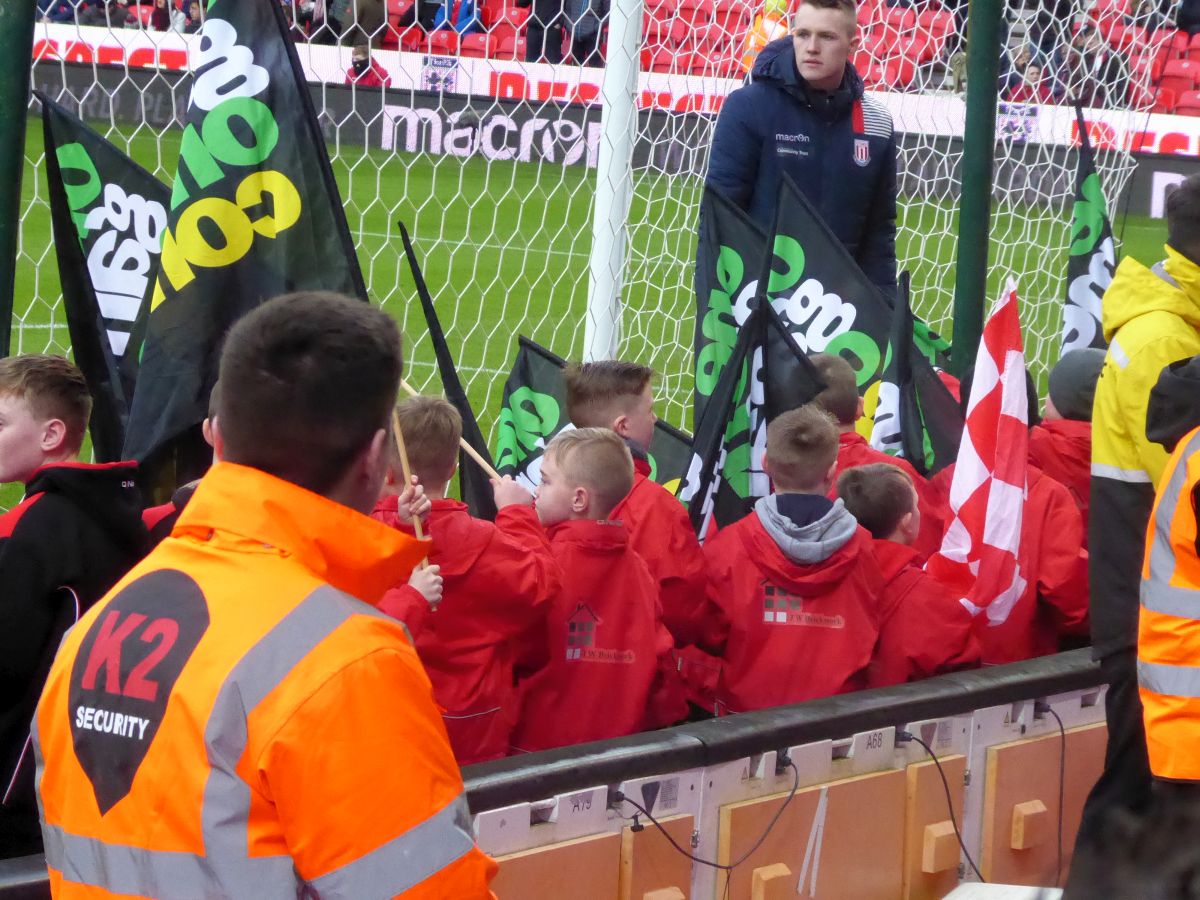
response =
{"points": [[1061, 444], [609, 652], [841, 400], [794, 590], [619, 396], [495, 580], [926, 630]]}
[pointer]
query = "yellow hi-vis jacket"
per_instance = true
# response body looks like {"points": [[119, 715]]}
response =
{"points": [[1151, 319], [1169, 623], [230, 721]]}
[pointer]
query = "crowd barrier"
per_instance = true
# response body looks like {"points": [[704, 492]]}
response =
{"points": [[835, 798]]}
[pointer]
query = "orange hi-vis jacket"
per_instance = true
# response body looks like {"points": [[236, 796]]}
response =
{"points": [[1169, 621], [230, 721]]}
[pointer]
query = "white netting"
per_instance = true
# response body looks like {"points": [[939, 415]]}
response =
{"points": [[490, 161]]}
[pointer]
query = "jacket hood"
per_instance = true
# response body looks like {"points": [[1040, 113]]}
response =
{"points": [[1174, 407], [611, 536], [1170, 286], [458, 539], [1068, 440], [777, 63], [809, 559], [106, 492], [893, 558]]}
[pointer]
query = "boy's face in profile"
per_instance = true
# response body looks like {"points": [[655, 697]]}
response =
{"points": [[640, 420], [553, 497], [22, 439]]}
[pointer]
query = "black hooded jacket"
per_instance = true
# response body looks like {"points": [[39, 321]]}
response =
{"points": [[78, 530]]}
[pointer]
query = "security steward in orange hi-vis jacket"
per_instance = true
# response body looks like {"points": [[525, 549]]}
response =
{"points": [[1169, 619], [233, 720]]}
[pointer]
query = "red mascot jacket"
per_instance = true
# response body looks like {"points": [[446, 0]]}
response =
{"points": [[661, 534], [496, 580], [610, 663], [794, 609], [853, 451], [1054, 566], [1063, 450], [926, 630]]}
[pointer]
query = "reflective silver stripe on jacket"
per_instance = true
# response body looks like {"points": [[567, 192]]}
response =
{"points": [[226, 869], [1113, 473], [1174, 681]]}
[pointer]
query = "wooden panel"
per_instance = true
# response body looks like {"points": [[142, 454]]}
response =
{"points": [[649, 863], [586, 868], [1025, 771], [854, 840], [926, 816]]}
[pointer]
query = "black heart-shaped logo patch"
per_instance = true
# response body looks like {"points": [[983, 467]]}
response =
{"points": [[124, 673]]}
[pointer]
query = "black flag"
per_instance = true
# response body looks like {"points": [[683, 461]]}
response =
{"points": [[255, 213], [108, 215], [766, 374], [917, 417], [1093, 256], [534, 410], [474, 485]]}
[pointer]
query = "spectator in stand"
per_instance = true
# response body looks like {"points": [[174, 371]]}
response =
{"points": [[497, 579], [609, 652], [587, 19], [1032, 87], [841, 400], [364, 71], [1148, 14], [805, 113], [794, 595], [545, 30], [1188, 17], [1051, 27], [1061, 444], [1012, 79], [424, 14], [925, 630], [111, 14], [160, 16], [1096, 75], [76, 533]]}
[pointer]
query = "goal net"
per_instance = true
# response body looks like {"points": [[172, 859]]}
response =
{"points": [[491, 161]]}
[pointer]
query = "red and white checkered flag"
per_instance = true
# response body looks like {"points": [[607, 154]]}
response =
{"points": [[987, 493]]}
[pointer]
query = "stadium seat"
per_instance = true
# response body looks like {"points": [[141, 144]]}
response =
{"points": [[1141, 95], [510, 47], [900, 18], [1180, 75], [477, 45], [1164, 101], [899, 74], [1188, 104], [1127, 38], [444, 42], [1177, 47], [1194, 48]]}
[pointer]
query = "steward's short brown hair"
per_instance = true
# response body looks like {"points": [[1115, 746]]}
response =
{"points": [[307, 379], [1183, 218], [878, 495], [840, 397], [431, 427], [849, 7], [598, 392], [53, 388], [599, 460], [802, 445]]}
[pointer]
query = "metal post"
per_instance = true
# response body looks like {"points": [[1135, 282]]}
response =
{"points": [[975, 202], [614, 181], [16, 51]]}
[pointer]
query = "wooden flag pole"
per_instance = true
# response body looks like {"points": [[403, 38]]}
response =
{"points": [[406, 469], [467, 448]]}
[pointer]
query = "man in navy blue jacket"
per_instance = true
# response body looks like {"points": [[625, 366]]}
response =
{"points": [[804, 113]]}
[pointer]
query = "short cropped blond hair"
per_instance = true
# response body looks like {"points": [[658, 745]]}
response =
{"points": [[802, 445], [597, 459]]}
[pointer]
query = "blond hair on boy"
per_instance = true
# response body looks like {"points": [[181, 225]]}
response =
{"points": [[585, 473]]}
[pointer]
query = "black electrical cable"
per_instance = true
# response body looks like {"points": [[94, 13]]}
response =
{"points": [[1062, 782], [907, 736], [725, 867]]}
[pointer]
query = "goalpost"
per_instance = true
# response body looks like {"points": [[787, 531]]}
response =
{"points": [[560, 202]]}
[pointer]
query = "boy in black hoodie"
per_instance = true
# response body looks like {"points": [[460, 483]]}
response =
{"points": [[75, 533]]}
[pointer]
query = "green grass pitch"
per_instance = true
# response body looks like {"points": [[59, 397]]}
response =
{"points": [[505, 250]]}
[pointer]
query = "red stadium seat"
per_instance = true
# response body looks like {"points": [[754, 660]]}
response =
{"points": [[1180, 75], [1141, 95], [1188, 104], [900, 18], [1177, 47], [1193, 51], [510, 47], [899, 74], [1164, 101], [444, 42], [1127, 38], [476, 45]]}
